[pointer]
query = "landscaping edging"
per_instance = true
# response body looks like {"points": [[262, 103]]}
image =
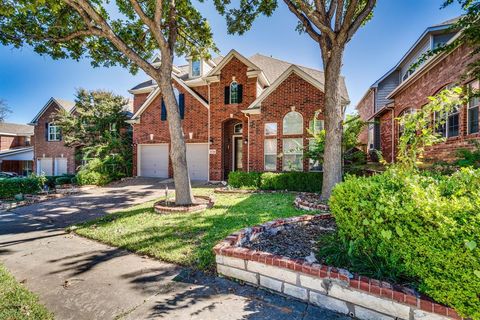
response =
{"points": [[207, 203], [304, 201], [321, 285]]}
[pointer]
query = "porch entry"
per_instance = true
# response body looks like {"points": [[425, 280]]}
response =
{"points": [[233, 142]]}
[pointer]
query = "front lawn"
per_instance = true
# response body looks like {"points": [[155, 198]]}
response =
{"points": [[187, 239], [18, 303]]}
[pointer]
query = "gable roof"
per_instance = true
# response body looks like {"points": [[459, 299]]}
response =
{"points": [[156, 92], [68, 106], [15, 129], [293, 69]]}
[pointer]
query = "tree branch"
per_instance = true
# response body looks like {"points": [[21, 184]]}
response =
{"points": [[305, 11], [339, 14], [76, 34], [143, 16], [305, 21], [360, 18]]}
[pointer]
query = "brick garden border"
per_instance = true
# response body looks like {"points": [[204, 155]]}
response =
{"points": [[302, 203], [321, 285], [161, 208]]}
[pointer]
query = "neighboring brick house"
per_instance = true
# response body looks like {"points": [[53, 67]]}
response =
{"points": [[16, 151], [51, 156], [403, 90], [246, 114]]}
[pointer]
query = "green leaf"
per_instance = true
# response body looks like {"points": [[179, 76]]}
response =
{"points": [[477, 273], [471, 245], [387, 234], [399, 231]]}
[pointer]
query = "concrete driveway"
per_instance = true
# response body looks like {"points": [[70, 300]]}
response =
{"points": [[78, 278]]}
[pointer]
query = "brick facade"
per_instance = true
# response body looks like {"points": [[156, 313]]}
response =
{"points": [[215, 125], [50, 149], [446, 71]]}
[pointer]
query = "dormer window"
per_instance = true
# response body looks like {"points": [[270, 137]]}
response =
{"points": [[196, 68]]}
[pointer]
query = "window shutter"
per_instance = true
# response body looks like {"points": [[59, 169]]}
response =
{"points": [[46, 131], [60, 134], [240, 93], [227, 95], [163, 115], [181, 105]]}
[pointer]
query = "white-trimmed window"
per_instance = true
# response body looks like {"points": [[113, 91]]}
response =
{"points": [[450, 122], [54, 132], [293, 154], [316, 126], [371, 134], [293, 123], [271, 129], [234, 96], [238, 128], [270, 154], [314, 165], [473, 108], [401, 127], [196, 68]]}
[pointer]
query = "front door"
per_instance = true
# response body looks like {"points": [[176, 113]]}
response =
{"points": [[237, 153]]}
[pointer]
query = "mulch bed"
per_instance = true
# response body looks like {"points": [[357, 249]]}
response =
{"points": [[297, 240], [201, 203]]}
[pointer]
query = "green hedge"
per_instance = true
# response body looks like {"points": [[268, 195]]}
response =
{"points": [[13, 186], [424, 227], [292, 181], [65, 179]]}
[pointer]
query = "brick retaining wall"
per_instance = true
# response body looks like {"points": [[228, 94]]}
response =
{"points": [[321, 285]]}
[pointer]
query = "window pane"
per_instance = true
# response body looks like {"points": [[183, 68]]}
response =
{"points": [[196, 68], [473, 120], [318, 126], [293, 123], [453, 125], [234, 92], [270, 146], [270, 162], [313, 164], [292, 146], [441, 128], [270, 129], [292, 163]]}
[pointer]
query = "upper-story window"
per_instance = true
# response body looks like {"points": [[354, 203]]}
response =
{"points": [[473, 108], [196, 68], [54, 132], [234, 92], [293, 123]]}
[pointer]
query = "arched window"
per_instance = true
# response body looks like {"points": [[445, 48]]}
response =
{"points": [[238, 128], [293, 123], [234, 92]]}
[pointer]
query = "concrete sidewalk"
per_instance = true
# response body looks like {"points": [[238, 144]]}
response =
{"points": [[81, 279]]}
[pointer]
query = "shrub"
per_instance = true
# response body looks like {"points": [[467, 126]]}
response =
{"points": [[86, 177], [11, 187], [64, 179], [292, 181], [239, 179], [421, 226]]}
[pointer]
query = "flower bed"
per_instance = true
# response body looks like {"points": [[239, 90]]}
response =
{"points": [[321, 285]]}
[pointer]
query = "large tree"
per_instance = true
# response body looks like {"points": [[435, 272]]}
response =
{"points": [[4, 110], [127, 33], [332, 24]]}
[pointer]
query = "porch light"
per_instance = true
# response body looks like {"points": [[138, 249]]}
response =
{"points": [[245, 141], [211, 140], [151, 136], [190, 135]]}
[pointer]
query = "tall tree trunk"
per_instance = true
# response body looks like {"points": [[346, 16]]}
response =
{"points": [[332, 164], [178, 152]]}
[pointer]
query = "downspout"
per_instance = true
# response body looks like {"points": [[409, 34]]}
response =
{"points": [[208, 131], [248, 141]]}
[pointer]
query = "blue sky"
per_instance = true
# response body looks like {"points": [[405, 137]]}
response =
{"points": [[28, 80]]}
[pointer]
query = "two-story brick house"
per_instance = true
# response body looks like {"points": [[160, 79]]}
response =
{"points": [[16, 151], [51, 156], [247, 114], [405, 89]]}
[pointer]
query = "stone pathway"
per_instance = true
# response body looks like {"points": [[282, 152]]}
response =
{"points": [[78, 278]]}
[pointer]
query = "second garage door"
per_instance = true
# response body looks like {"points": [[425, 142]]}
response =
{"points": [[153, 160], [197, 159]]}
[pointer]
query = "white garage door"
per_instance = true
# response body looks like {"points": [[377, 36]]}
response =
{"points": [[197, 159], [45, 166], [60, 166], [153, 160]]}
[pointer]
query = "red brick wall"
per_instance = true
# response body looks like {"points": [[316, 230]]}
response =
{"points": [[196, 119], [51, 149], [138, 100], [448, 71], [366, 110], [293, 92]]}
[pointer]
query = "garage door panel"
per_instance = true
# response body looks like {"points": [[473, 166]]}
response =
{"points": [[45, 166], [197, 159], [154, 161]]}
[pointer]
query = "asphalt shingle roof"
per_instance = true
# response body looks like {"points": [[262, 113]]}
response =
{"points": [[16, 128]]}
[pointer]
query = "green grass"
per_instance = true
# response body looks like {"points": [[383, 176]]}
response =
{"points": [[188, 238], [16, 302]]}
